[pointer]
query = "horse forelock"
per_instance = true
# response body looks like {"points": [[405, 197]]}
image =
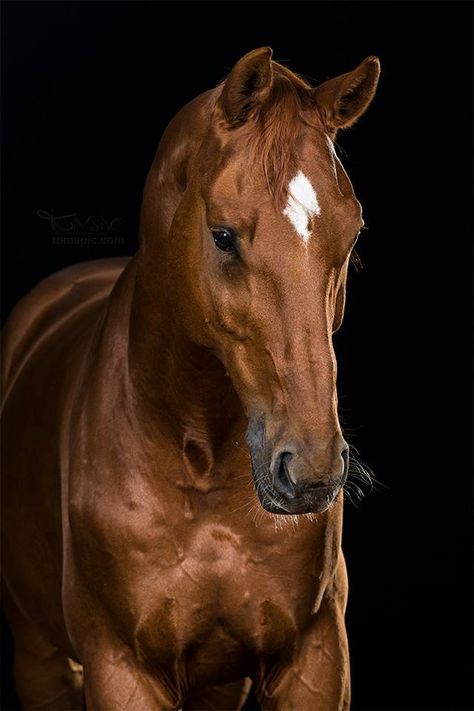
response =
{"points": [[275, 127]]}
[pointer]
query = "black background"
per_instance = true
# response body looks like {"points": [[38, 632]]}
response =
{"points": [[88, 89]]}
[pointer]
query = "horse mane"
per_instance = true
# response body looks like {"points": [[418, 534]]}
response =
{"points": [[275, 127]]}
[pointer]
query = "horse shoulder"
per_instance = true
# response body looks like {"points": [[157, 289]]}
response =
{"points": [[55, 299]]}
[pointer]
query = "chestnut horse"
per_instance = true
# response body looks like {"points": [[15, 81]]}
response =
{"points": [[173, 461]]}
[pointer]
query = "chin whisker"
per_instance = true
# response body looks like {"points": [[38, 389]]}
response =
{"points": [[360, 479]]}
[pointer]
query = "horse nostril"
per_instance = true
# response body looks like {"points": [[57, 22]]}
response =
{"points": [[345, 459], [281, 477]]}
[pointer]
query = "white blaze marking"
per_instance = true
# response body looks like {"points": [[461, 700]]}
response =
{"points": [[302, 204]]}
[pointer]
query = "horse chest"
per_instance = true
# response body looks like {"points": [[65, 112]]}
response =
{"points": [[214, 597], [206, 591]]}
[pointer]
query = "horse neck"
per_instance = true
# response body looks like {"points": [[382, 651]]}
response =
{"points": [[177, 382]]}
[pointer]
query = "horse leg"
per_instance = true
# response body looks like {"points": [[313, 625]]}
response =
{"points": [[319, 678], [230, 697], [114, 680], [44, 677]]}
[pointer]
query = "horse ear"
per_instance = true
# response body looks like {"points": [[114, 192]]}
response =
{"points": [[247, 85], [342, 100]]}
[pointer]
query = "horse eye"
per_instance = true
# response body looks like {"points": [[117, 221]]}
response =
{"points": [[224, 239]]}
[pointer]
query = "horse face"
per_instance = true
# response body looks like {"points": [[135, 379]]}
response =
{"points": [[272, 272]]}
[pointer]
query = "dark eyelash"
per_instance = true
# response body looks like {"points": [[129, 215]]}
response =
{"points": [[354, 258], [356, 261]]}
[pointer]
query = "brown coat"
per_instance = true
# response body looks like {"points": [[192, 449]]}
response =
{"points": [[141, 538]]}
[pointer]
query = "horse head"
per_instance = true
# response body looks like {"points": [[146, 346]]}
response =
{"points": [[262, 236]]}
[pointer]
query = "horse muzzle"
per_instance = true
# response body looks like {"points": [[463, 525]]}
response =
{"points": [[288, 482]]}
